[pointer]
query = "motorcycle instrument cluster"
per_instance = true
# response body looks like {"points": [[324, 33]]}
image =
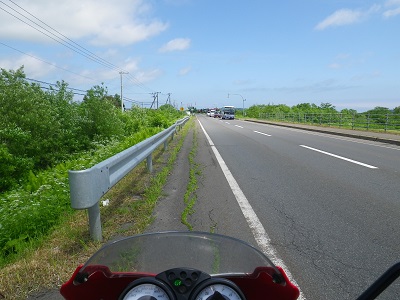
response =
{"points": [[182, 283]]}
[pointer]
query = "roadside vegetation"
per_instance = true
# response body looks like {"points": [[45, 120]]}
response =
{"points": [[45, 133], [190, 196], [378, 119], [131, 203]]}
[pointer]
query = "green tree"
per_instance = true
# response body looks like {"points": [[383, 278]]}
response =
{"points": [[378, 110], [12, 166], [116, 100], [169, 108], [328, 108], [100, 118], [34, 127], [40, 128], [26, 107], [348, 111], [378, 115], [306, 108]]}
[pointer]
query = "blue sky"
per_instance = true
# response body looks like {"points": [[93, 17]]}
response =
{"points": [[288, 52]]}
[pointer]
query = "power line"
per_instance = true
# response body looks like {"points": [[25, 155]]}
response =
{"points": [[136, 82], [65, 41], [55, 37], [51, 64], [80, 90], [66, 38], [47, 88], [53, 84], [137, 102]]}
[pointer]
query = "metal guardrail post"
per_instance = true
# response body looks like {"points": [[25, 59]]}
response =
{"points": [[88, 186], [149, 162], [387, 122], [95, 222]]}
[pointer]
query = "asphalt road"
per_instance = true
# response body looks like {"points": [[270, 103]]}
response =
{"points": [[330, 205]]}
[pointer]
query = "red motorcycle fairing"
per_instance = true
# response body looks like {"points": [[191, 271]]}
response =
{"points": [[213, 262], [104, 284]]}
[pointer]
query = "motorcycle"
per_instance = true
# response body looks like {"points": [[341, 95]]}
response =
{"points": [[186, 266]]}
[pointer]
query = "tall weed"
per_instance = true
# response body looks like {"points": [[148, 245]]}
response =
{"points": [[43, 134]]}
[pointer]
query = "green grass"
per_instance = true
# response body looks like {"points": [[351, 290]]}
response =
{"points": [[50, 260], [43, 201], [360, 123], [190, 196]]}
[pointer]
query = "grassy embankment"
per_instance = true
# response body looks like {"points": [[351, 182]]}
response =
{"points": [[132, 201]]}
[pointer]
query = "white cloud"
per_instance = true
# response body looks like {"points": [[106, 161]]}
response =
{"points": [[131, 65], [102, 22], [347, 60], [392, 12], [343, 56], [335, 66], [33, 67], [392, 2], [241, 82], [316, 87], [366, 76], [184, 71], [339, 18], [394, 8], [178, 44], [145, 76], [343, 17]]}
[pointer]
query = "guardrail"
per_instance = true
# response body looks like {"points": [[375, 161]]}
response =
{"points": [[365, 121], [89, 185]]}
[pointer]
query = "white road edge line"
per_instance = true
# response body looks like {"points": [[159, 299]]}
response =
{"points": [[258, 230], [262, 133], [340, 157]]}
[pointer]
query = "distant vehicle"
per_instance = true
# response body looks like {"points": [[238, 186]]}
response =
{"points": [[212, 113], [208, 113], [228, 112], [217, 114]]}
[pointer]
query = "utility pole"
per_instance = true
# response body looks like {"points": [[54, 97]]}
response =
{"points": [[168, 99], [122, 99], [155, 96]]}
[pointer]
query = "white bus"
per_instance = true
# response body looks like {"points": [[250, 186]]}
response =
{"points": [[228, 112]]}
